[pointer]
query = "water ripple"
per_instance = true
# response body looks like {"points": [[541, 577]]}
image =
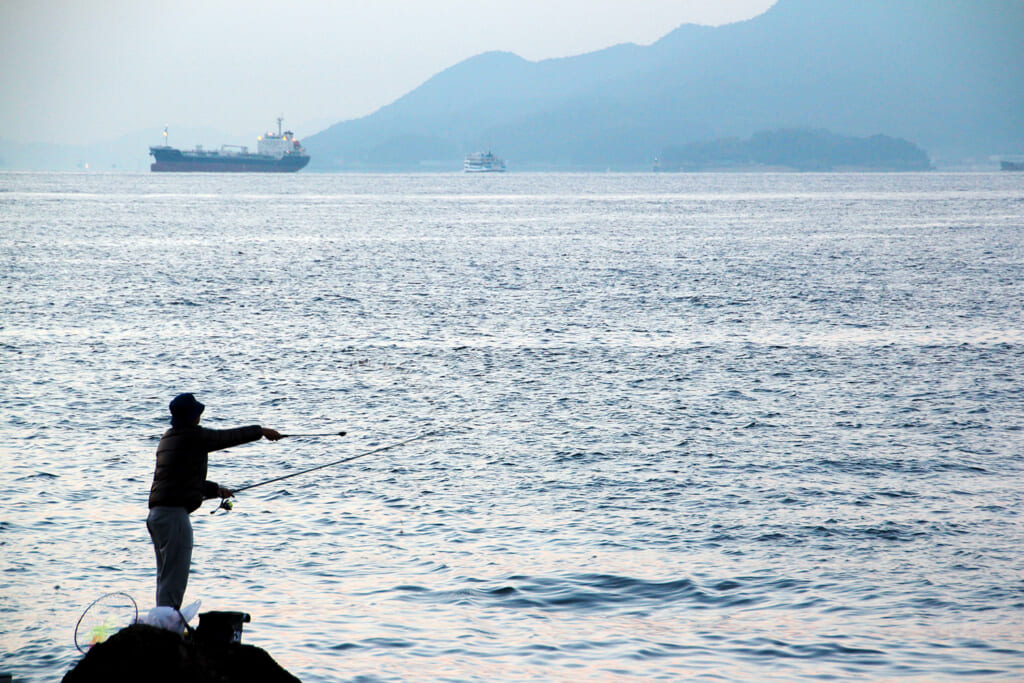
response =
{"points": [[716, 427]]}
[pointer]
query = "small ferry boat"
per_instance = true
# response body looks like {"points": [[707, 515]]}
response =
{"points": [[483, 162]]}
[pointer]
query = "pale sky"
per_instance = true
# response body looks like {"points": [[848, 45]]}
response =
{"points": [[93, 70]]}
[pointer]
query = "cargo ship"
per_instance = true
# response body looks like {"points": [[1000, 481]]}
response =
{"points": [[280, 153]]}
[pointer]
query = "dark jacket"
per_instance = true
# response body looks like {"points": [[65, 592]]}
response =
{"points": [[181, 457]]}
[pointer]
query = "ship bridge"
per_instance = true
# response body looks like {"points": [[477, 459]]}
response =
{"points": [[280, 145]]}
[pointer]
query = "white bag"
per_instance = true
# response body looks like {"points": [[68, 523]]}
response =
{"points": [[171, 619]]}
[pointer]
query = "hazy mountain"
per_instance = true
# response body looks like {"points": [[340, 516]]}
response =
{"points": [[943, 74]]}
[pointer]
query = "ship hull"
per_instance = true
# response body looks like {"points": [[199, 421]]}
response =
{"points": [[170, 160]]}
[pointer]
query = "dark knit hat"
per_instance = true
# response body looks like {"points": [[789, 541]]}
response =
{"points": [[185, 409]]}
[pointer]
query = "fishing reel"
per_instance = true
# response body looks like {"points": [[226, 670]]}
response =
{"points": [[225, 504]]}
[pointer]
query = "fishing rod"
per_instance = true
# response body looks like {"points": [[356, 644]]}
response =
{"points": [[286, 436], [225, 503], [296, 436]]}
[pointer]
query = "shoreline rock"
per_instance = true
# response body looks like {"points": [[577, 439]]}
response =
{"points": [[147, 653]]}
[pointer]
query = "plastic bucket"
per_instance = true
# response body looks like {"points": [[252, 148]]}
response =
{"points": [[221, 628]]}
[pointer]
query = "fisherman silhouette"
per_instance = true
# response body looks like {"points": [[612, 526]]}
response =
{"points": [[180, 486]]}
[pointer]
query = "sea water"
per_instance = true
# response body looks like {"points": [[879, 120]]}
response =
{"points": [[723, 427]]}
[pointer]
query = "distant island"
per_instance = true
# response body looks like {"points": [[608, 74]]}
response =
{"points": [[798, 150]]}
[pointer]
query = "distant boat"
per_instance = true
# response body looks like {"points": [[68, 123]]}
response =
{"points": [[1012, 165], [279, 153], [483, 162]]}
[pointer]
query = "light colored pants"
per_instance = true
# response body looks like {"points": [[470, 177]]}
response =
{"points": [[171, 531]]}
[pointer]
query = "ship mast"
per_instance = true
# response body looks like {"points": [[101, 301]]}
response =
{"points": [[279, 120]]}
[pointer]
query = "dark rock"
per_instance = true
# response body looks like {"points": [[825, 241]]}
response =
{"points": [[147, 653]]}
